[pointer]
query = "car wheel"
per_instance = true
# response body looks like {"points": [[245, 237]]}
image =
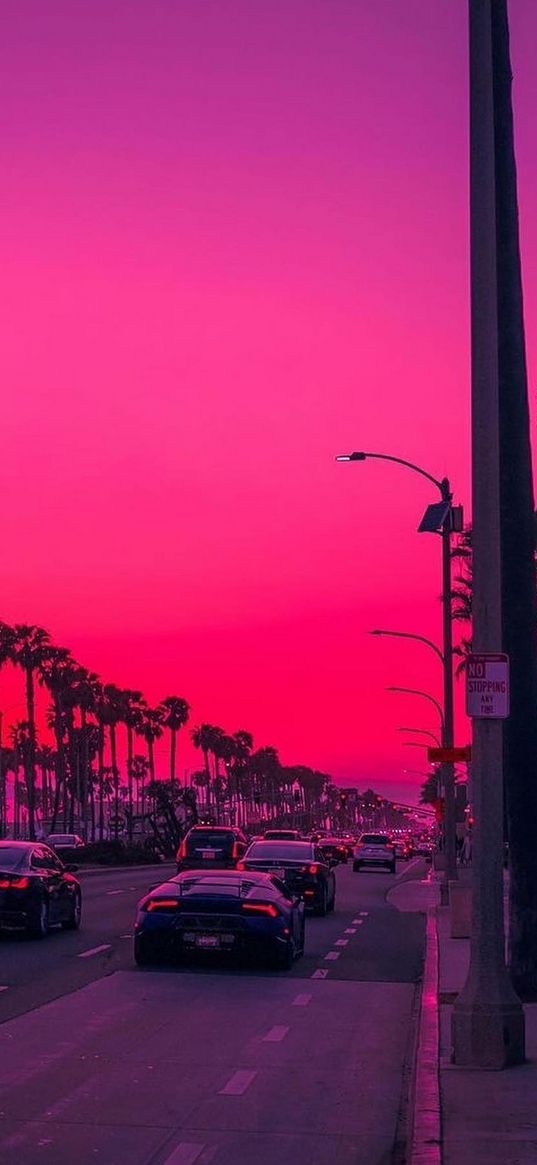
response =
{"points": [[321, 908], [356, 867], [302, 939], [332, 903], [40, 926], [142, 955], [73, 922]]}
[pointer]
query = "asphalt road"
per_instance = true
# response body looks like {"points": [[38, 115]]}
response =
{"points": [[209, 1063]]}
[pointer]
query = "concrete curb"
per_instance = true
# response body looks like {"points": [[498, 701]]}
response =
{"points": [[426, 1138]]}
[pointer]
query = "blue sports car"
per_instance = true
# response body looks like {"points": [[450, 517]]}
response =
{"points": [[227, 912]]}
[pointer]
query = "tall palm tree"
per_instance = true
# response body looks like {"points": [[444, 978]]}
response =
{"points": [[111, 714], [133, 707], [176, 712], [30, 647], [202, 738], [151, 728]]}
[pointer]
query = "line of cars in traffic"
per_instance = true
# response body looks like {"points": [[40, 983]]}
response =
{"points": [[230, 894]]}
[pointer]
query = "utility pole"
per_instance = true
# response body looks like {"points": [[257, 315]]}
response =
{"points": [[488, 1019]]}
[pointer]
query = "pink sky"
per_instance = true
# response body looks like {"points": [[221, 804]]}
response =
{"points": [[234, 241]]}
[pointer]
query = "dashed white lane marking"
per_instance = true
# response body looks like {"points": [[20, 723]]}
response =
{"points": [[7, 989], [332, 955], [111, 892], [125, 936], [301, 1000], [355, 921], [186, 1153], [364, 914], [276, 1034], [238, 1083], [95, 951], [350, 930], [321, 973], [342, 942]]}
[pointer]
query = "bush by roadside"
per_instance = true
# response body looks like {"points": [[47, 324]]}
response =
{"points": [[111, 853]]}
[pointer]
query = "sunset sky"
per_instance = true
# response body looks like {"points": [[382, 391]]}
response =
{"points": [[234, 241]]}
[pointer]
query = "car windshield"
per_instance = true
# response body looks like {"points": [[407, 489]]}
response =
{"points": [[374, 839], [285, 850], [61, 838], [11, 857], [280, 835]]}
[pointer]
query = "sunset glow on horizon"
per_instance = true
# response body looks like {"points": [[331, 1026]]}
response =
{"points": [[235, 245]]}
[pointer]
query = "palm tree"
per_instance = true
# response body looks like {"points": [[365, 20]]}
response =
{"points": [[176, 712], [203, 737], [133, 707], [111, 715], [28, 647], [151, 729]]}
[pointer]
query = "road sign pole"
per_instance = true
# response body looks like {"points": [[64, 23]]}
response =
{"points": [[450, 874]]}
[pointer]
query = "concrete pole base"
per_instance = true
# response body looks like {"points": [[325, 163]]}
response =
{"points": [[486, 1035], [444, 892]]}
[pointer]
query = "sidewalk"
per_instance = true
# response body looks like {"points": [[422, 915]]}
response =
{"points": [[486, 1118]]}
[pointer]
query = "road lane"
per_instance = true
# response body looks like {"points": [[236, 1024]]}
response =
{"points": [[38, 971], [207, 1063]]}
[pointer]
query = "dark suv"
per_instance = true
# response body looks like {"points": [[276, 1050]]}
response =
{"points": [[211, 847]]}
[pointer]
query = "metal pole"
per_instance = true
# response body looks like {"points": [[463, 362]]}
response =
{"points": [[488, 1019], [448, 775]]}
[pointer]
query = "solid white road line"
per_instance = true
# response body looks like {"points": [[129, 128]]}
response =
{"points": [[321, 973], [238, 1083], [111, 892], [301, 1000], [95, 951], [342, 942], [332, 955], [405, 872], [185, 1153], [276, 1034]]}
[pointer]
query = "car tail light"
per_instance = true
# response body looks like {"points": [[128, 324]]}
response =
{"points": [[181, 852], [313, 869], [236, 851], [15, 883], [261, 908], [240, 866], [162, 904]]}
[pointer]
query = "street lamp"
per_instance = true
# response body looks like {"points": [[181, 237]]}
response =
{"points": [[410, 635], [442, 518], [424, 696], [422, 732]]}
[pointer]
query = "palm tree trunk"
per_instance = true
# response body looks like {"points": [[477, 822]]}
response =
{"points": [[100, 762], [115, 779], [173, 754], [151, 758], [30, 751], [130, 750]]}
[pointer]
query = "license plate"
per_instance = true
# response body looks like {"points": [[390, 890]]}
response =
{"points": [[208, 942], [207, 854]]}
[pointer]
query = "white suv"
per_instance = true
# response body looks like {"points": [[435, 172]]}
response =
{"points": [[374, 849]]}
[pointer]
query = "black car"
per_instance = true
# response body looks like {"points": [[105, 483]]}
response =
{"points": [[214, 847], [223, 912], [301, 865], [333, 849], [36, 890]]}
